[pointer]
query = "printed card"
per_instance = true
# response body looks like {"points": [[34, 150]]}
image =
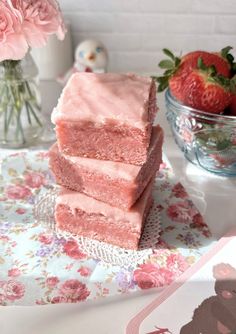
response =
{"points": [[201, 301]]}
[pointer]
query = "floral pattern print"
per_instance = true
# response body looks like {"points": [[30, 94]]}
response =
{"points": [[150, 275], [37, 267], [72, 250], [34, 180], [181, 212], [73, 290], [11, 290], [17, 192]]}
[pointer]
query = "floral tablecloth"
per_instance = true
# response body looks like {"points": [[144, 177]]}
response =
{"points": [[37, 267]]}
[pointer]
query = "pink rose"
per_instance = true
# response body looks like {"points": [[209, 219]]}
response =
{"points": [[59, 299], [181, 212], [12, 290], [179, 191], [74, 290], [13, 44], [20, 211], [18, 192], [198, 220], [4, 238], [35, 180], [51, 282], [45, 238], [41, 18], [177, 263], [149, 276], [84, 271], [14, 272], [72, 250]]}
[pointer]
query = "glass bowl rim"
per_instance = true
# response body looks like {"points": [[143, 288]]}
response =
{"points": [[189, 110]]}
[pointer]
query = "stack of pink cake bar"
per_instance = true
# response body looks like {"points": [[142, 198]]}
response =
{"points": [[106, 156]]}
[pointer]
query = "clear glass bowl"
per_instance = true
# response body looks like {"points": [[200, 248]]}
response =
{"points": [[207, 140]]}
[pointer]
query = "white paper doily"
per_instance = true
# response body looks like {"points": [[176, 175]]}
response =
{"points": [[44, 214]]}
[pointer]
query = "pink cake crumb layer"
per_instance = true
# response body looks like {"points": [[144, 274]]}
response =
{"points": [[115, 183], [82, 215], [106, 116]]}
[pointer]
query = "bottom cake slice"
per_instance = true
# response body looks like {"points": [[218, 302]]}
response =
{"points": [[85, 216]]}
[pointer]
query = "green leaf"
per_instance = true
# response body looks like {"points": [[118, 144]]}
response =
{"points": [[162, 86], [177, 61], [163, 83], [230, 58], [225, 51], [170, 66], [169, 72], [169, 54], [160, 79], [234, 67], [233, 84], [166, 64], [200, 64], [209, 70]]}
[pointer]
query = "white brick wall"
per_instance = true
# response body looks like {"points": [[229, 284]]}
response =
{"points": [[135, 31]]}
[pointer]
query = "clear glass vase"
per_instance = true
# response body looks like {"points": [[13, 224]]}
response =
{"points": [[21, 120]]}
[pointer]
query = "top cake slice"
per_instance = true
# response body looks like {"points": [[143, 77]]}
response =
{"points": [[106, 116]]}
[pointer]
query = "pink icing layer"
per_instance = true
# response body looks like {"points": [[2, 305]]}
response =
{"points": [[100, 98], [132, 218]]}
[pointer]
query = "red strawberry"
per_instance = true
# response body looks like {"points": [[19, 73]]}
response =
{"points": [[204, 90], [176, 69], [221, 63], [176, 83]]}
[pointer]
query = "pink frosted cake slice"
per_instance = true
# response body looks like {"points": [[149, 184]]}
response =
{"points": [[115, 183], [106, 116], [82, 215]]}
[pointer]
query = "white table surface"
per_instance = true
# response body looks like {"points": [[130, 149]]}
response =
{"points": [[213, 195]]}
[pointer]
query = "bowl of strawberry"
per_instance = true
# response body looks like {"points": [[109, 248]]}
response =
{"points": [[201, 107]]}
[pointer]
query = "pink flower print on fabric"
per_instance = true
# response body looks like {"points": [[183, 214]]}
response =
{"points": [[17, 192], [51, 282], [72, 250], [35, 180], [11, 290], [181, 212], [150, 275], [74, 290], [14, 272], [84, 271]]}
